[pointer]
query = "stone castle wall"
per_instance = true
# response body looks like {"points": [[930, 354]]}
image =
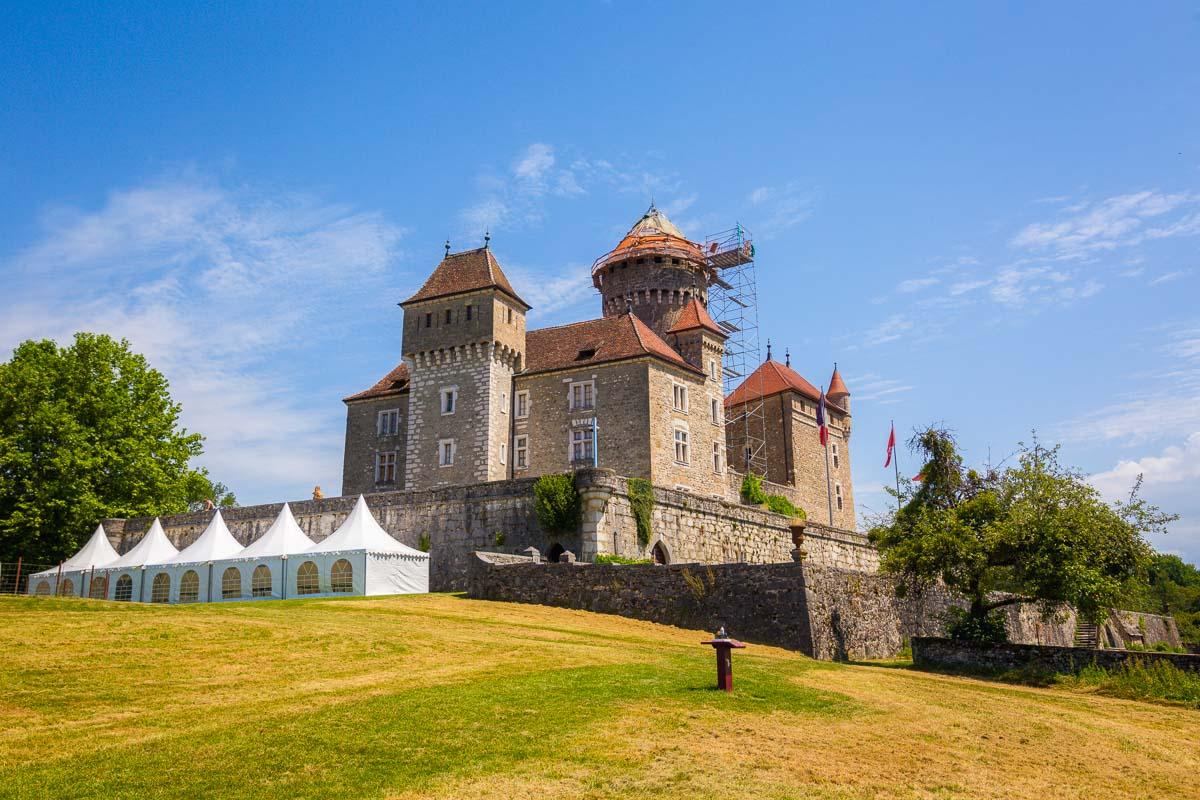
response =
{"points": [[946, 654], [364, 442], [459, 520]]}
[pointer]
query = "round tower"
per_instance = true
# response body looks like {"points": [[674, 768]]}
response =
{"points": [[654, 272]]}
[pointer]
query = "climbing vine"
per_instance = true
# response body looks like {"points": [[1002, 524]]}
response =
{"points": [[641, 500]]}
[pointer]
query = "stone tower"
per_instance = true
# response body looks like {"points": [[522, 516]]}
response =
{"points": [[464, 337], [655, 271]]}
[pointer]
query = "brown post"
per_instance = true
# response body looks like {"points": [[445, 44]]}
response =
{"points": [[17, 585], [58, 581], [724, 647]]}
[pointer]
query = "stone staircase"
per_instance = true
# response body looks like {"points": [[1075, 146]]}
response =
{"points": [[1087, 635]]}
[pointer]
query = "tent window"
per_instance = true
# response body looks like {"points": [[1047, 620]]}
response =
{"points": [[43, 587], [124, 588], [260, 581], [231, 584], [160, 590], [98, 588], [68, 588], [189, 587], [341, 577], [306, 579]]}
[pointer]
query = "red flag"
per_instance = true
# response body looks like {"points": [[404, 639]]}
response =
{"points": [[920, 476], [891, 447]]}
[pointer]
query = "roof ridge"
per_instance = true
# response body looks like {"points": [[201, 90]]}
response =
{"points": [[569, 324], [634, 320]]}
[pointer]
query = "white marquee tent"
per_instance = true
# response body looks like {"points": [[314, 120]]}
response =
{"points": [[359, 558], [127, 575], [94, 555]]}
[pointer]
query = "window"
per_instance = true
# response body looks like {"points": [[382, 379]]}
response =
{"points": [[585, 354], [680, 397], [835, 455], [449, 399], [160, 589], [716, 410], [837, 488], [583, 395], [749, 455], [716, 456], [521, 452], [307, 581], [503, 452], [98, 589], [446, 448], [429, 320], [582, 445], [712, 368], [681, 445], [189, 587], [231, 584], [468, 312], [43, 588], [260, 581], [388, 422], [504, 402], [385, 467], [124, 591], [449, 316], [67, 589], [341, 576], [510, 316], [522, 405]]}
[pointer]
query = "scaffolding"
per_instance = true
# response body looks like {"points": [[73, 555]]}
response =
{"points": [[733, 305]]}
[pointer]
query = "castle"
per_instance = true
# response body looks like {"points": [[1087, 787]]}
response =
{"points": [[478, 398]]}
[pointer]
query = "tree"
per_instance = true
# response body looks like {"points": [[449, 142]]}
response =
{"points": [[1036, 532], [87, 431]]}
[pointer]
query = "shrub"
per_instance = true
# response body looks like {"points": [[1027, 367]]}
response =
{"points": [[609, 558], [423, 543], [1138, 680], [752, 489], [781, 505], [556, 502], [964, 627], [498, 537], [641, 500]]}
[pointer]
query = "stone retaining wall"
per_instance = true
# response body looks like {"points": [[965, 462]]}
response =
{"points": [[947, 654]]}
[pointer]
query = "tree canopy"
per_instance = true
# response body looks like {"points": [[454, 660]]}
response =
{"points": [[87, 431], [1035, 532]]}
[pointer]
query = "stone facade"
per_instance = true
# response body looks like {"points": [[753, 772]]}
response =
{"points": [[366, 441], [946, 654]]}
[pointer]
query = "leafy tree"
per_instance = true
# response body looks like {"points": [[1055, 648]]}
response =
{"points": [[1036, 532], [1171, 586], [88, 431], [205, 492], [557, 503]]}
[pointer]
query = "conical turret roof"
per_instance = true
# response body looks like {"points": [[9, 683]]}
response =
{"points": [[284, 537], [653, 234], [216, 542], [360, 531], [154, 548], [837, 387]]}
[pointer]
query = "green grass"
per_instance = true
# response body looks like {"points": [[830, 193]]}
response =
{"points": [[1137, 680], [439, 696]]}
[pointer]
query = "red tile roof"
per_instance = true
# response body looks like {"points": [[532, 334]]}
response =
{"points": [[837, 387], [465, 272], [395, 382], [596, 341], [769, 379], [695, 315]]}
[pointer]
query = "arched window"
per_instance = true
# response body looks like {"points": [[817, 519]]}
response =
{"points": [[341, 577], [555, 553], [67, 589], [43, 587], [99, 588], [189, 587], [659, 554], [260, 581], [307, 581], [124, 588], [160, 590], [231, 584]]}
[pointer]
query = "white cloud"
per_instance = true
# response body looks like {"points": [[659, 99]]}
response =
{"points": [[536, 161], [889, 330], [1119, 221], [1174, 465], [1168, 277], [214, 285], [875, 388], [915, 284], [782, 207]]}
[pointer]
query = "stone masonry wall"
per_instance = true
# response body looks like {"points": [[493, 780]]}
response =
{"points": [[947, 654], [363, 442]]}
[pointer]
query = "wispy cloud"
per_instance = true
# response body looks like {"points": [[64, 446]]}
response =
{"points": [[916, 284], [212, 284], [779, 208], [1118, 221], [875, 388], [1167, 277]]}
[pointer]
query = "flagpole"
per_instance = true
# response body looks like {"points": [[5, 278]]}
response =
{"points": [[828, 482]]}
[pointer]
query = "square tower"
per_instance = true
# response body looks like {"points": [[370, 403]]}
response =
{"points": [[464, 337]]}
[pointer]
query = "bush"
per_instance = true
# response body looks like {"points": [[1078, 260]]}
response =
{"points": [[609, 558], [961, 626], [556, 502], [423, 543], [1138, 680], [752, 489], [781, 505], [498, 537], [641, 500]]}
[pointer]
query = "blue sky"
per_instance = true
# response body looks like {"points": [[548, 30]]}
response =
{"points": [[988, 215]]}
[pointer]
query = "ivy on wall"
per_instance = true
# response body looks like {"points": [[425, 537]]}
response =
{"points": [[641, 500]]}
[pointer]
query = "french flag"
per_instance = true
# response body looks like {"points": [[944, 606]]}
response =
{"points": [[822, 430]]}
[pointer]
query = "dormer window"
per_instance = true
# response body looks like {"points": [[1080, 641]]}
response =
{"points": [[586, 353]]}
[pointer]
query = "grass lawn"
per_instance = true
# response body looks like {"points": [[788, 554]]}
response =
{"points": [[439, 696]]}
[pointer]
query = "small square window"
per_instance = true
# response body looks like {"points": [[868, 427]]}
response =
{"points": [[388, 422], [385, 467], [582, 396], [582, 445], [680, 398]]}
